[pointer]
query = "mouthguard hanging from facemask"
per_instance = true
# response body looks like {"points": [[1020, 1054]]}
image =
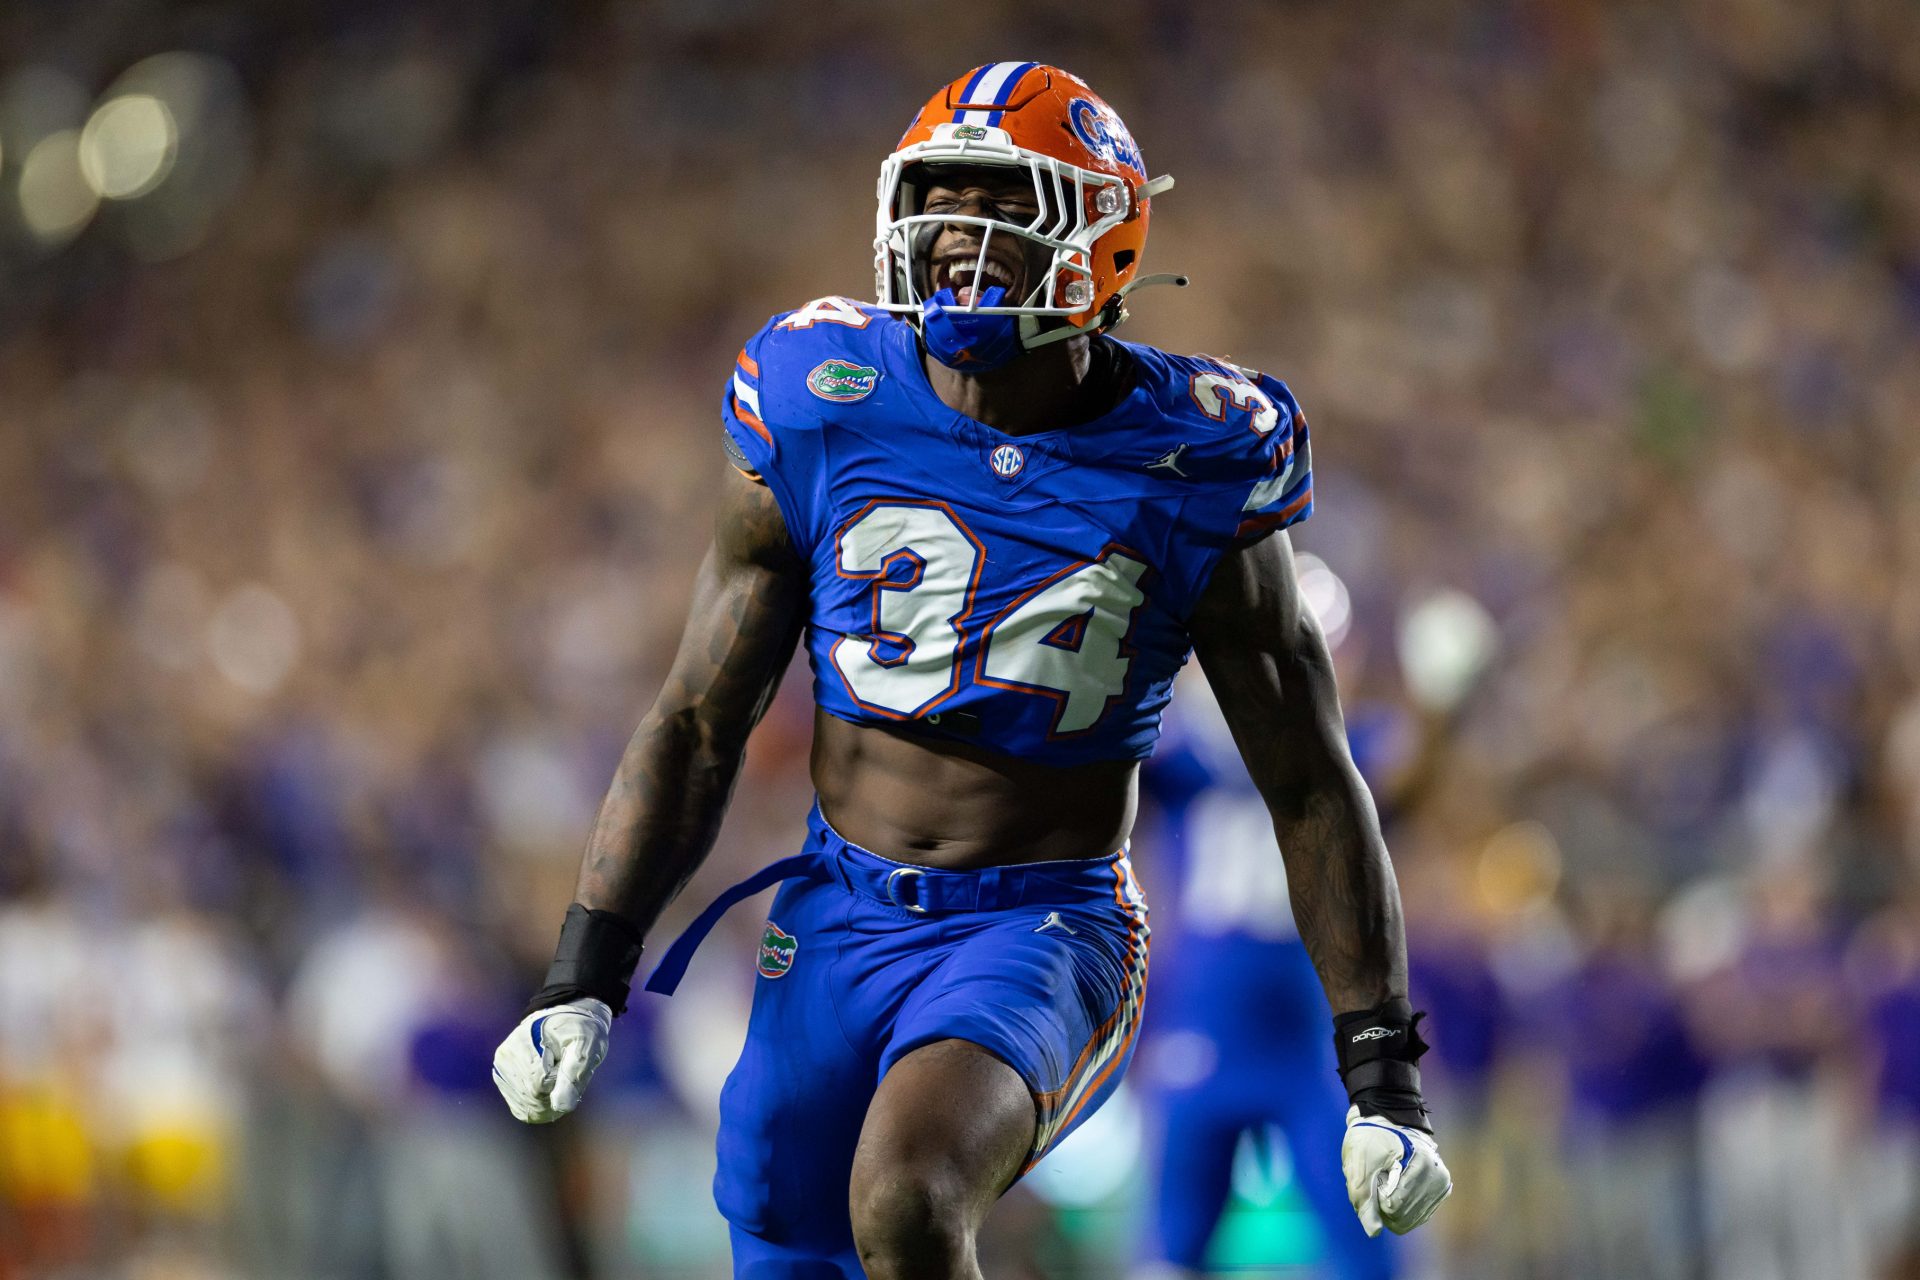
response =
{"points": [[966, 340]]}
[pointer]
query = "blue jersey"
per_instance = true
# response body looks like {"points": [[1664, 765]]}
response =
{"points": [[1232, 964], [1236, 1038], [1028, 594]]}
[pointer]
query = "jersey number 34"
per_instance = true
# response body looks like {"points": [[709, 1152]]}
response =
{"points": [[1064, 639]]}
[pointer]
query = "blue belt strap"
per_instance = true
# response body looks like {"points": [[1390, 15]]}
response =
{"points": [[673, 965]]}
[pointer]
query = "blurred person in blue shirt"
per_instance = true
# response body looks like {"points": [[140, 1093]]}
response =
{"points": [[1633, 1081], [1772, 1018], [1455, 977], [1235, 1042], [1885, 964], [1231, 1043]]}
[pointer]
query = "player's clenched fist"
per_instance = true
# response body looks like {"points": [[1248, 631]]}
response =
{"points": [[543, 1065], [1395, 1176]]}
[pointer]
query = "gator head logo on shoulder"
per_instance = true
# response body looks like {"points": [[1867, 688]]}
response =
{"points": [[777, 949], [842, 381]]}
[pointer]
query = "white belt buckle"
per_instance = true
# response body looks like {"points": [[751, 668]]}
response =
{"points": [[893, 894]]}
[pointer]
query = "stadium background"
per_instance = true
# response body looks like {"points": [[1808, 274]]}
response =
{"points": [[359, 366]]}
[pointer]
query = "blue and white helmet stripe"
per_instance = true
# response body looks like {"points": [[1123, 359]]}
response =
{"points": [[992, 83]]}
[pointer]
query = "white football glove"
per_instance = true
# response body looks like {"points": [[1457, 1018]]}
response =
{"points": [[543, 1065], [1395, 1177]]}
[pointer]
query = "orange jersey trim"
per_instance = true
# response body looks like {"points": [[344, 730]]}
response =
{"points": [[746, 415], [1274, 519], [1127, 1012]]}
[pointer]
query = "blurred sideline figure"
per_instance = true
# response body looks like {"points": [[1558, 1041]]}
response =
{"points": [[1776, 1155], [1632, 1081], [120, 1063], [1235, 1047], [1886, 961], [1001, 532], [396, 1168], [1232, 1051]]}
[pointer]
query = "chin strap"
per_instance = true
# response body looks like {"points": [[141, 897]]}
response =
{"points": [[1109, 316]]}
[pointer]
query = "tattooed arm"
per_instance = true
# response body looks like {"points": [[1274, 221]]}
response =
{"points": [[1267, 661], [663, 809], [1269, 666]]}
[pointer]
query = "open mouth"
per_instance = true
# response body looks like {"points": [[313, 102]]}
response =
{"points": [[969, 277]]}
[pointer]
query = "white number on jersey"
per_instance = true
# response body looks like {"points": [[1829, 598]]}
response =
{"points": [[828, 311], [1064, 640], [1213, 392], [916, 613], [1235, 881]]}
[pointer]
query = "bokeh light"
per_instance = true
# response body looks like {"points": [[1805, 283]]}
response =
{"points": [[1326, 595], [172, 138], [1519, 868], [56, 201], [1094, 1162], [128, 146], [1446, 640], [253, 638]]}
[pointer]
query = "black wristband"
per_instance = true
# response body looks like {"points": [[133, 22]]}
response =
{"points": [[1378, 1049], [597, 955]]}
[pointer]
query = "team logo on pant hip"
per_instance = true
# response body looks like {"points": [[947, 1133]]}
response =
{"points": [[777, 948], [842, 381]]}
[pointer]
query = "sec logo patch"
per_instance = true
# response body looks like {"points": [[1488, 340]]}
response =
{"points": [[777, 949], [1007, 461]]}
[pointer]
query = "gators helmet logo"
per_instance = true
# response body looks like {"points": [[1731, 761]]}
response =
{"points": [[842, 381], [1101, 132], [777, 949]]}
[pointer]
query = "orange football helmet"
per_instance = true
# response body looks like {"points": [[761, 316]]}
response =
{"points": [[1089, 180]]}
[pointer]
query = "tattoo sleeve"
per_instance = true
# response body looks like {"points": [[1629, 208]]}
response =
{"points": [[664, 806], [1268, 663]]}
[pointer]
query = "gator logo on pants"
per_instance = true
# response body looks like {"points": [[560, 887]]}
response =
{"points": [[777, 948], [842, 381]]}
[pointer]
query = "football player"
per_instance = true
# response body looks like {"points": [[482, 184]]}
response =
{"points": [[1000, 532], [1234, 1047]]}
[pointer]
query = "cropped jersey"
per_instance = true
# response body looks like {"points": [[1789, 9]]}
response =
{"points": [[1027, 594]]}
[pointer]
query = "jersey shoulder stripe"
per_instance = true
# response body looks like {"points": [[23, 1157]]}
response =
{"points": [[798, 364]]}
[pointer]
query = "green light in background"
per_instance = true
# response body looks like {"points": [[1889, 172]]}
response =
{"points": [[1267, 1225]]}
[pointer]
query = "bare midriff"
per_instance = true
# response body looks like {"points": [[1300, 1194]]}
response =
{"points": [[946, 804]]}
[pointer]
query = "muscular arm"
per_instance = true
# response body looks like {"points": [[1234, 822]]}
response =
{"points": [[1267, 661], [663, 809]]}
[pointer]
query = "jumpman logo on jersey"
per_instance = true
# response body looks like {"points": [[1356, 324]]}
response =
{"points": [[1053, 921], [1170, 461]]}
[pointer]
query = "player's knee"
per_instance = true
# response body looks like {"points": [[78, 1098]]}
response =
{"points": [[912, 1222]]}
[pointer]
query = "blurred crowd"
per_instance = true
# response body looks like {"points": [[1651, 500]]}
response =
{"points": [[352, 476]]}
